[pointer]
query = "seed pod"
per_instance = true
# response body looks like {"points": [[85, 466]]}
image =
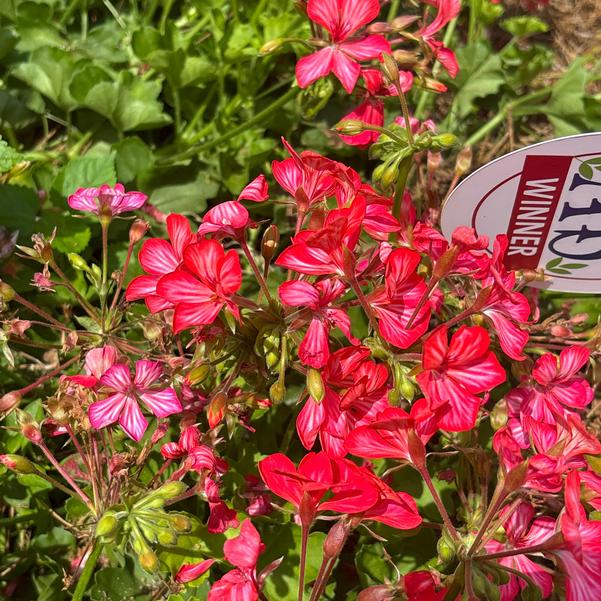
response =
{"points": [[277, 391], [315, 385], [390, 68]]}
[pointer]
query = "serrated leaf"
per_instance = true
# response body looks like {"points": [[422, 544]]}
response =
{"points": [[9, 157], [18, 209], [87, 171], [480, 75], [134, 157]]}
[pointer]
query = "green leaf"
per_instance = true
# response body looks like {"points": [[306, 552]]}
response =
{"points": [[481, 74], [85, 77], [187, 197], [565, 108], [137, 105], [18, 209], [525, 25], [49, 71], [34, 483], [9, 157], [85, 172], [134, 157], [114, 584]]}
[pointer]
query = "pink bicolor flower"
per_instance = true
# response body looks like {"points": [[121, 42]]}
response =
{"points": [[522, 530], [106, 200], [341, 19], [159, 257], [371, 109], [240, 584], [580, 558], [97, 362], [257, 190], [456, 371], [125, 394], [398, 299], [199, 294], [317, 298], [447, 11], [221, 517], [226, 220]]}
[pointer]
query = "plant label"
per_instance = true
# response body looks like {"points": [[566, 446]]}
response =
{"points": [[547, 199]]}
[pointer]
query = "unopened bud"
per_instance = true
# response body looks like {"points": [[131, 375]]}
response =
{"points": [[277, 391], [498, 416], [271, 359], [405, 59], [350, 127], [198, 374], [446, 140], [152, 329], [434, 162], [445, 264], [463, 161], [170, 490], [379, 28], [17, 463], [181, 523], [137, 230], [407, 388], [32, 433], [446, 547], [107, 525], [271, 46], [560, 331], [167, 538], [216, 409], [402, 22], [390, 68], [434, 86], [270, 242], [7, 292], [306, 510], [336, 539], [315, 385], [9, 401], [149, 561], [78, 262]]}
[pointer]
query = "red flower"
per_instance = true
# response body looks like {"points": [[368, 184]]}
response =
{"points": [[159, 257], [341, 18], [455, 372], [581, 557], [221, 517], [314, 349], [396, 301], [243, 552], [522, 531], [388, 435], [447, 10], [191, 571], [199, 294], [371, 109]]}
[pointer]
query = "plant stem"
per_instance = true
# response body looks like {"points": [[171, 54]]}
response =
{"points": [[439, 504], [260, 280], [82, 301], [17, 519], [23, 391], [401, 182], [88, 570], [521, 551], [261, 116], [38, 311], [303, 561]]}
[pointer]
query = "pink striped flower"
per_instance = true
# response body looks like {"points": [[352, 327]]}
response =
{"points": [[123, 403], [106, 200], [341, 19]]}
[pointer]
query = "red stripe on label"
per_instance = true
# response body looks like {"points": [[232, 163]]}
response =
{"points": [[539, 190]]}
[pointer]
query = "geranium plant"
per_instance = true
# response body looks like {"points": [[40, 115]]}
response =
{"points": [[364, 384]]}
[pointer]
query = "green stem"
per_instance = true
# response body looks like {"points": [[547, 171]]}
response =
{"points": [[393, 10], [399, 189], [88, 570], [17, 519], [303, 561], [261, 116], [473, 21], [439, 504], [502, 114]]}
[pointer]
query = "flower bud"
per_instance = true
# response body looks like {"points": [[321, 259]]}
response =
{"points": [[515, 478], [350, 127], [9, 401], [446, 140], [167, 538], [402, 22], [216, 409], [416, 448], [149, 561], [78, 262], [390, 68], [170, 490], [271, 360], [405, 59], [531, 593], [306, 510], [198, 374], [271, 46], [315, 385], [498, 416], [446, 548], [277, 391], [379, 28], [181, 523], [18, 464], [107, 525], [336, 539], [463, 161], [7, 292], [137, 230], [270, 242], [32, 433], [433, 163], [379, 592]]}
